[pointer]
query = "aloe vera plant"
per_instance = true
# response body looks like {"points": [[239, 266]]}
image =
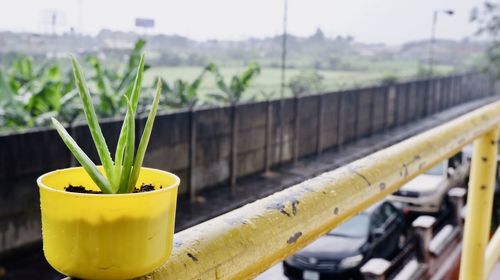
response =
{"points": [[120, 175]]}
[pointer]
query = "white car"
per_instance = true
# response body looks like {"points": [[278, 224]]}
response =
{"points": [[426, 192]]}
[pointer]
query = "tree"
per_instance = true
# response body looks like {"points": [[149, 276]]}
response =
{"points": [[318, 36], [306, 83], [488, 19], [389, 79]]}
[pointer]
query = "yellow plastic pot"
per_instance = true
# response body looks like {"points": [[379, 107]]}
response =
{"points": [[107, 236]]}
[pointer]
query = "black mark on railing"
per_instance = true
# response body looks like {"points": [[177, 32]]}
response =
{"points": [[280, 205], [294, 207], [294, 237], [283, 211], [192, 257], [404, 171], [351, 168]]}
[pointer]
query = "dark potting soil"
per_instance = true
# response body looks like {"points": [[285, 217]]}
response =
{"points": [[82, 189], [145, 188], [79, 189]]}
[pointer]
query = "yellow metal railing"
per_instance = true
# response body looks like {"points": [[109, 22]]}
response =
{"points": [[245, 242], [479, 204]]}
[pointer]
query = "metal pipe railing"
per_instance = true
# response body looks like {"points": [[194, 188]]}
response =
{"points": [[243, 243], [479, 204], [492, 253]]}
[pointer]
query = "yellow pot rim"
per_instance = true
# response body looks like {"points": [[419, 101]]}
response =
{"points": [[175, 184]]}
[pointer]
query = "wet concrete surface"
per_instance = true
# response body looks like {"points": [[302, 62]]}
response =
{"points": [[29, 262]]}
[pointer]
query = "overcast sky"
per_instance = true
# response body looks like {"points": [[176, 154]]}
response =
{"points": [[386, 21]]}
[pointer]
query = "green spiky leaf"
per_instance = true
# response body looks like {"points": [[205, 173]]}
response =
{"points": [[128, 158], [95, 129], [82, 158], [143, 144]]}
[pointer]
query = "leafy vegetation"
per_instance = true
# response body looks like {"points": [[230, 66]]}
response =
{"points": [[232, 93], [389, 80], [110, 85], [306, 83], [122, 174], [30, 96], [182, 94], [487, 17]]}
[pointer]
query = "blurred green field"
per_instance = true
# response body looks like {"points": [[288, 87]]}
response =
{"points": [[269, 78]]}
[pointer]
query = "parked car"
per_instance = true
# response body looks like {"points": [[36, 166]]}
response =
{"points": [[380, 231], [426, 192]]}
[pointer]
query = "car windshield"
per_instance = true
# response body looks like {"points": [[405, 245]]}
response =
{"points": [[436, 170], [357, 226]]}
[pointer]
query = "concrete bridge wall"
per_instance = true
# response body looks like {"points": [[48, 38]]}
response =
{"points": [[311, 124]]}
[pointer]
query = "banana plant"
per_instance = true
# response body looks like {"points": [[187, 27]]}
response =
{"points": [[182, 94], [21, 72], [12, 112], [267, 95], [30, 95], [233, 92], [111, 85]]}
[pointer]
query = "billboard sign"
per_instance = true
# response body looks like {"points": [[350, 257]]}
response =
{"points": [[145, 22]]}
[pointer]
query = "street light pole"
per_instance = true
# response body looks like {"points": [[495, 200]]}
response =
{"points": [[433, 36]]}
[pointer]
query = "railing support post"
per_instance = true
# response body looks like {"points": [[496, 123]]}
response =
{"points": [[375, 269], [492, 253], [423, 228], [457, 196], [479, 204]]}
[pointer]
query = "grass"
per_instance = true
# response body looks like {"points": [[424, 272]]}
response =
{"points": [[269, 79]]}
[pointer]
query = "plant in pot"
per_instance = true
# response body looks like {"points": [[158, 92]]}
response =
{"points": [[114, 221]]}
